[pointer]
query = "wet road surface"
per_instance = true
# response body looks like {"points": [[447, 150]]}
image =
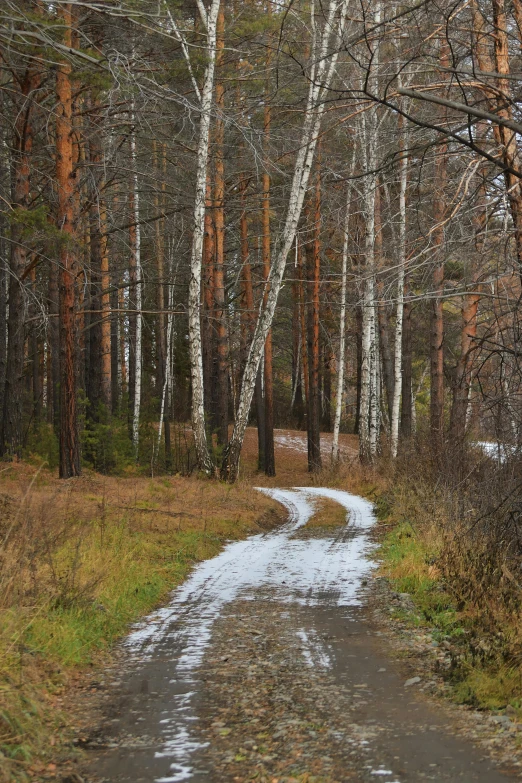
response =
{"points": [[265, 667]]}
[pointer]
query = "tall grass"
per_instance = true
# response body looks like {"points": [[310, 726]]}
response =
{"points": [[81, 560], [456, 546]]}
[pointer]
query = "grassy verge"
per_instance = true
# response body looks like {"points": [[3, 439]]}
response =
{"points": [[420, 558], [79, 562]]}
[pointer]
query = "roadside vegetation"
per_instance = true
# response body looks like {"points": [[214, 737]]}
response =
{"points": [[79, 562], [452, 542]]}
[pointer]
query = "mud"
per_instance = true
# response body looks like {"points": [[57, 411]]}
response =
{"points": [[268, 666]]}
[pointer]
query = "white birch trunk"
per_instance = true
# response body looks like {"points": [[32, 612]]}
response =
{"points": [[139, 297], [168, 364], [342, 336], [205, 459], [375, 381], [396, 404], [368, 415], [368, 142], [323, 73]]}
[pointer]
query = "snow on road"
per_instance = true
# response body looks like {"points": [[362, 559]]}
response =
{"points": [[317, 571]]}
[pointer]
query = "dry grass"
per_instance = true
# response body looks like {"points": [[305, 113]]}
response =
{"points": [[329, 514], [82, 559], [455, 547]]}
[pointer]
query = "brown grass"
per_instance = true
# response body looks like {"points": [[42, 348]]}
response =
{"points": [[81, 559]]}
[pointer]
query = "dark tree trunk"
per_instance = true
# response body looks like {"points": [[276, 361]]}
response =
{"points": [[94, 334], [53, 399], [115, 320], [437, 313], [11, 440], [407, 388], [70, 457], [35, 357], [358, 340], [314, 270], [260, 415], [328, 360], [298, 407], [387, 357], [3, 320]]}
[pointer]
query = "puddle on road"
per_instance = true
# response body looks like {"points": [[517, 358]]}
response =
{"points": [[318, 571]]}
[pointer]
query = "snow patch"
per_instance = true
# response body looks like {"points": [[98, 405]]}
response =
{"points": [[313, 650], [309, 572]]}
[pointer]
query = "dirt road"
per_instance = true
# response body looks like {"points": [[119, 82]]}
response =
{"points": [[266, 667]]}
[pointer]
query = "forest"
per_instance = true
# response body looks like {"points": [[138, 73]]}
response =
{"points": [[305, 216], [256, 242]]}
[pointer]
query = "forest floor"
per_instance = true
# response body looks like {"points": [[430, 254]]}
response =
{"points": [[284, 657]]}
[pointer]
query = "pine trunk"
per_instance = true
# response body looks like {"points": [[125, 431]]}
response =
{"points": [[11, 440], [70, 460]]}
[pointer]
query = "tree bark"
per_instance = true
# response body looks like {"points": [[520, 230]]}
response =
{"points": [[70, 458], [35, 356], [318, 88], [401, 272], [204, 456], [437, 315], [136, 252], [407, 380], [368, 353], [342, 337], [266, 253], [297, 357], [313, 253], [209, 329], [11, 440], [382, 313], [220, 309], [105, 315], [133, 317], [268, 370], [500, 103]]}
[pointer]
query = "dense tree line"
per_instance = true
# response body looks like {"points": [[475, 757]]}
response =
{"points": [[304, 214]]}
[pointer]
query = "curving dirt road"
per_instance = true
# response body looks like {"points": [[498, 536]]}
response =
{"points": [[265, 667]]}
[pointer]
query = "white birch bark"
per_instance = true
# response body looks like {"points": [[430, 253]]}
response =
{"points": [[139, 297], [368, 142], [368, 417], [375, 381], [342, 329], [396, 404], [168, 366], [205, 459], [319, 86]]}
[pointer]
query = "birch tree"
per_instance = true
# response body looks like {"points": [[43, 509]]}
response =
{"points": [[320, 81], [139, 289], [342, 328], [368, 377], [401, 264], [204, 456]]}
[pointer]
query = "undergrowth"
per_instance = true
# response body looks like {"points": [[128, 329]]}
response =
{"points": [[452, 546]]}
